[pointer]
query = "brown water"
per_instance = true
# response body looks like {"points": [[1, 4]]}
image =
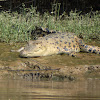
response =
{"points": [[49, 90]]}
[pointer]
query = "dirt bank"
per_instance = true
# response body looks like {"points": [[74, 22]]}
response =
{"points": [[57, 67]]}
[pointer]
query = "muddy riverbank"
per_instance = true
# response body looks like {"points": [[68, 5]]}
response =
{"points": [[57, 67]]}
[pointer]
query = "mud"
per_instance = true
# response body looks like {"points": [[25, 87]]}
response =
{"points": [[56, 67]]}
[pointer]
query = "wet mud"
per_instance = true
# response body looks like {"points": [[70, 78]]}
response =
{"points": [[56, 67]]}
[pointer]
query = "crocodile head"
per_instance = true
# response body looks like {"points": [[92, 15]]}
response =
{"points": [[33, 49]]}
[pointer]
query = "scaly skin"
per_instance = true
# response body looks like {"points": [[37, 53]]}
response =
{"points": [[57, 43], [40, 32]]}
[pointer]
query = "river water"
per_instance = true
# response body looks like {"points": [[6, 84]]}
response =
{"points": [[50, 90]]}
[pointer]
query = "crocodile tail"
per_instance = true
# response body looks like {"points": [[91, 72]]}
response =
{"points": [[88, 48]]}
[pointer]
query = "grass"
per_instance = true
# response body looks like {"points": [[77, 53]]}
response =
{"points": [[14, 27]]}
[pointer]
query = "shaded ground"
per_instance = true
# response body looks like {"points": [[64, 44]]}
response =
{"points": [[85, 65]]}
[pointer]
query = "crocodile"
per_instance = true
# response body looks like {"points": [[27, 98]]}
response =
{"points": [[56, 43], [40, 32]]}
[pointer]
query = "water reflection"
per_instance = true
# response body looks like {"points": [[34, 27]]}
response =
{"points": [[49, 90]]}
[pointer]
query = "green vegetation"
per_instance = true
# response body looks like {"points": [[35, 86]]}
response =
{"points": [[14, 27]]}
